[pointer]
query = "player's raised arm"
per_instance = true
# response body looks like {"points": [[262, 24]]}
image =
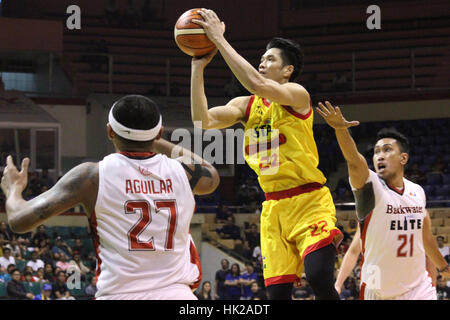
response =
{"points": [[77, 186], [432, 250], [282, 92], [349, 261], [358, 169], [217, 117], [203, 177]]}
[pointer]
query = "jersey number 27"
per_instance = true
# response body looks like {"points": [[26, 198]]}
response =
{"points": [[143, 207]]}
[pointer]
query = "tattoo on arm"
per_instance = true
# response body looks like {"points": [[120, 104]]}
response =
{"points": [[198, 172]]}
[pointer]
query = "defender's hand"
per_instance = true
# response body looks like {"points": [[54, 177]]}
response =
{"points": [[334, 117], [212, 25], [13, 180]]}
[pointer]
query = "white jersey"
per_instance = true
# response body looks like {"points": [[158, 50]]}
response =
{"points": [[141, 225], [391, 237]]}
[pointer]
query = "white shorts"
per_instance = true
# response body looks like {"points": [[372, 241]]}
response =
{"points": [[172, 292], [424, 291]]}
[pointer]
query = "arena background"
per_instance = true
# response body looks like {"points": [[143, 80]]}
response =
{"points": [[58, 86]]}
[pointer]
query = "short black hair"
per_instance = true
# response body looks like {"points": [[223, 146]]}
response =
{"points": [[13, 270], [291, 53], [136, 112], [392, 133]]}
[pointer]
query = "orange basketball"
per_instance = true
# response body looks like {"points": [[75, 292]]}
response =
{"points": [[191, 37]]}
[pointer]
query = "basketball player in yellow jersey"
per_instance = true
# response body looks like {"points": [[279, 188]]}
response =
{"points": [[298, 230]]}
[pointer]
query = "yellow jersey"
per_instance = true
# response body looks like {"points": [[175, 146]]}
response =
{"points": [[279, 146]]}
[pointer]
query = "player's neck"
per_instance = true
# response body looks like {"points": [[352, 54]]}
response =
{"points": [[396, 181]]}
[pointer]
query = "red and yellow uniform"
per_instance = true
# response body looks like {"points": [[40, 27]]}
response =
{"points": [[298, 215]]}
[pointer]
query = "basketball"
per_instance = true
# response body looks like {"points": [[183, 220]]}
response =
{"points": [[191, 37]]}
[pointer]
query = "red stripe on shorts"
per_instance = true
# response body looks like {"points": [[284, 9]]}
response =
{"points": [[287, 278], [324, 242]]}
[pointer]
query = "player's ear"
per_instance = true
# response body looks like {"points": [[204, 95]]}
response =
{"points": [[109, 131], [288, 70], [404, 158]]}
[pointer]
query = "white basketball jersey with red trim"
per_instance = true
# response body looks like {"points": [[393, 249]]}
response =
{"points": [[391, 237], [141, 225]]}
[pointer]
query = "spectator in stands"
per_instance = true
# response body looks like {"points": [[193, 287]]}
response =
{"points": [[91, 289], [340, 82], [112, 12], [48, 273], [45, 252], [35, 263], [5, 231], [60, 290], [220, 289], [230, 230], [350, 291], [253, 237], [443, 248], [78, 246], [39, 277], [352, 226], [46, 293], [243, 249], [16, 289], [247, 278], [62, 262], [223, 212], [205, 292], [79, 265], [257, 292], [16, 249], [4, 275], [304, 292], [61, 247], [232, 282], [439, 166], [28, 277], [45, 179], [443, 291], [416, 175], [3, 242], [253, 202], [7, 258]]}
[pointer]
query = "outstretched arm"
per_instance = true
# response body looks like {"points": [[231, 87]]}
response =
{"points": [[77, 186], [432, 250], [356, 163], [203, 177], [349, 261], [291, 94]]}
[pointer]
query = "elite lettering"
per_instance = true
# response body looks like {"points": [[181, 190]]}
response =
{"points": [[406, 224], [148, 187]]}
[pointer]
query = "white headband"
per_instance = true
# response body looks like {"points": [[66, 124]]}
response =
{"points": [[133, 134]]}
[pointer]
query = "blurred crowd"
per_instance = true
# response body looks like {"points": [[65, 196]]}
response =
{"points": [[43, 266]]}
